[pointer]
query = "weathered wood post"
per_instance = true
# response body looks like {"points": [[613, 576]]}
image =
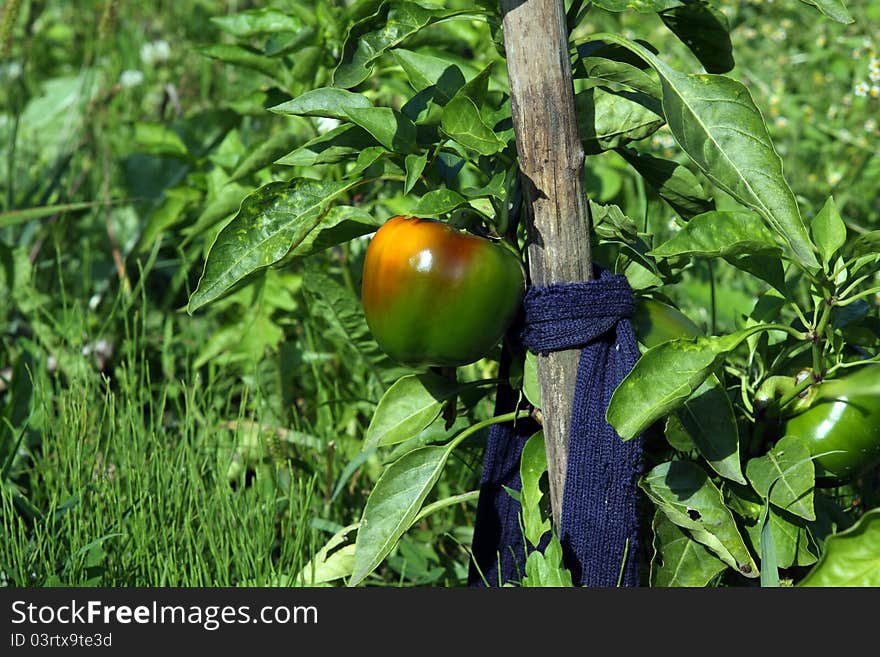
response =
{"points": [[551, 161]]}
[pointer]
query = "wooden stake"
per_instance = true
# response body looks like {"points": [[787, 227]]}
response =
{"points": [[551, 159]]}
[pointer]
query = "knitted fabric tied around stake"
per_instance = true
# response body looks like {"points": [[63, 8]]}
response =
{"points": [[599, 524]]}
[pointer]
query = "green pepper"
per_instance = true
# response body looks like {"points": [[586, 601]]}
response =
{"points": [[842, 427], [437, 296]]}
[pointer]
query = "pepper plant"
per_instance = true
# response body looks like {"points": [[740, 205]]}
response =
{"points": [[411, 119]]}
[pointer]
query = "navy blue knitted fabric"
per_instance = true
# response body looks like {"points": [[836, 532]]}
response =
{"points": [[599, 525]]}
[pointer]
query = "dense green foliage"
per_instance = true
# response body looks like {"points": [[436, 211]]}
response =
{"points": [[189, 393]]}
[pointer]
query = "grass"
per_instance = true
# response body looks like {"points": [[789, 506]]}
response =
{"points": [[123, 481]]}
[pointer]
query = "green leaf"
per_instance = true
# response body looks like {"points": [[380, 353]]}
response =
{"points": [[641, 6], [342, 223], [266, 153], [332, 562], [769, 562], [342, 309], [674, 182], [246, 58], [609, 222], [463, 122], [408, 407], [786, 468], [13, 217], [415, 165], [793, 542], [546, 569], [272, 220], [607, 120], [686, 495], [665, 377], [159, 140], [328, 102], [834, 9], [716, 122], [678, 559], [256, 22], [829, 231], [709, 419], [369, 38], [340, 143], [426, 71], [367, 158], [705, 30], [618, 73], [532, 467], [531, 387], [850, 558], [438, 202], [714, 234], [389, 127], [394, 504]]}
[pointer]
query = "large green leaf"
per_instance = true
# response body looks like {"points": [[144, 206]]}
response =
{"points": [[686, 495], [463, 122], [674, 182], [256, 22], [607, 120], [850, 558], [393, 505], [408, 407], [438, 202], [718, 125], [427, 71], [532, 467], [723, 234], [642, 6], [678, 559], [341, 143], [705, 30], [665, 377], [617, 74], [829, 231], [272, 220], [341, 224], [369, 38], [246, 58], [834, 9], [786, 474], [389, 127], [328, 102], [709, 419]]}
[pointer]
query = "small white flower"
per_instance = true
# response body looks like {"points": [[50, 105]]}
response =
{"points": [[155, 52], [94, 301], [131, 78], [862, 89], [12, 71], [781, 122], [834, 177], [870, 126], [874, 91], [874, 75], [326, 124]]}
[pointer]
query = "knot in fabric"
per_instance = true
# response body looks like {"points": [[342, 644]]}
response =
{"points": [[571, 315], [599, 526]]}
